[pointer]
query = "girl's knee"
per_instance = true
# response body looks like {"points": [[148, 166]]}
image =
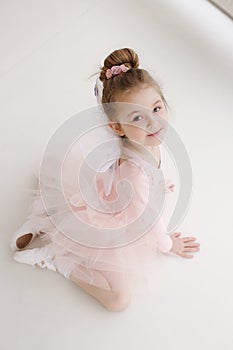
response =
{"points": [[120, 300]]}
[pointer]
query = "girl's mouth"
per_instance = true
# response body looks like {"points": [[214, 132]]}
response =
{"points": [[155, 133]]}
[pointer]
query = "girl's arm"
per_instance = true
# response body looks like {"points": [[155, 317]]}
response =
{"points": [[165, 242], [138, 178]]}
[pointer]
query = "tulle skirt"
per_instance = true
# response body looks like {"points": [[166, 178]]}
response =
{"points": [[127, 266]]}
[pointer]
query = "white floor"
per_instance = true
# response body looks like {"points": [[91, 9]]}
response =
{"points": [[48, 51]]}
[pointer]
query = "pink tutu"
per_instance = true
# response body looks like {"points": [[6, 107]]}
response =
{"points": [[83, 254]]}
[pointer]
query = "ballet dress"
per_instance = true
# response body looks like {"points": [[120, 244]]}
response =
{"points": [[105, 248]]}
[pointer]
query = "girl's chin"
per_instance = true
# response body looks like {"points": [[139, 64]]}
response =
{"points": [[154, 139], [148, 141], [153, 144], [151, 140]]}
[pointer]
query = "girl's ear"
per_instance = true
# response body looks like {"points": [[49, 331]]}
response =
{"points": [[116, 127]]}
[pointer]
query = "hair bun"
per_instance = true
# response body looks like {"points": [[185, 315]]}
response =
{"points": [[125, 56]]}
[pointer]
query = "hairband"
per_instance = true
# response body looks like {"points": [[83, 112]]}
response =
{"points": [[115, 70]]}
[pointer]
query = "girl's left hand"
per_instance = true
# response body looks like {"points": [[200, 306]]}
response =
{"points": [[181, 246], [169, 186]]}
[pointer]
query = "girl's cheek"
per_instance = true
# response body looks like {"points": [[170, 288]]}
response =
{"points": [[134, 133], [139, 129], [165, 116]]}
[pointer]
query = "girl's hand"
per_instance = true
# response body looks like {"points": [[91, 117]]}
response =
{"points": [[182, 245], [169, 186], [166, 186]]}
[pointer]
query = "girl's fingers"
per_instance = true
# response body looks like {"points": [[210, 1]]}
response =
{"points": [[190, 245], [187, 256], [191, 249], [189, 239]]}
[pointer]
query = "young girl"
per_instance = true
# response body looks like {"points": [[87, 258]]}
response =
{"points": [[101, 261]]}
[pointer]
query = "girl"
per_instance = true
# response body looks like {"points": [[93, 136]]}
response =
{"points": [[106, 269]]}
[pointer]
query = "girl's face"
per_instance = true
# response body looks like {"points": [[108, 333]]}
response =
{"points": [[142, 114]]}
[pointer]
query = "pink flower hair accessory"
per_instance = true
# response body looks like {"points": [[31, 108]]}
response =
{"points": [[115, 70]]}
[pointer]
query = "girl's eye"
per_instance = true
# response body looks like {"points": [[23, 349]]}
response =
{"points": [[156, 108], [135, 119], [139, 116]]}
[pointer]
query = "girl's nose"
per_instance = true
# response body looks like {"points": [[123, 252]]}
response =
{"points": [[153, 123]]}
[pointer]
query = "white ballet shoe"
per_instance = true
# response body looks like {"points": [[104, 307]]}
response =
{"points": [[27, 227], [41, 257]]}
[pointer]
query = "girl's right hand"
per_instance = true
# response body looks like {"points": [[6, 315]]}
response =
{"points": [[182, 245]]}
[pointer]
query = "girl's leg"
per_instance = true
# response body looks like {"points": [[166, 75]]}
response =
{"points": [[114, 295]]}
